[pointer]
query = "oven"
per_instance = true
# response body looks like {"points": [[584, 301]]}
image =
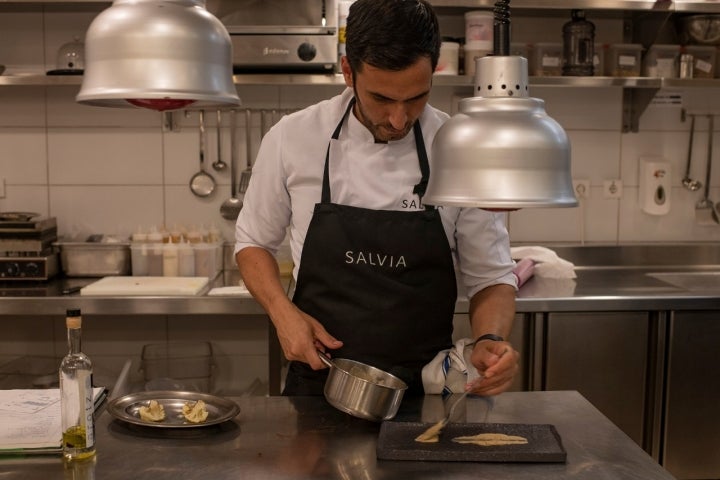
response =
{"points": [[282, 35]]}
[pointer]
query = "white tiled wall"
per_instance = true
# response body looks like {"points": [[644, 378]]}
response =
{"points": [[112, 170]]}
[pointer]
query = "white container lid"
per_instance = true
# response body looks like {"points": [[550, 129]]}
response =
{"points": [[450, 45], [479, 45], [479, 13]]}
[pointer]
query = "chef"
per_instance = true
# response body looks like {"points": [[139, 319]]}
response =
{"points": [[374, 266]]}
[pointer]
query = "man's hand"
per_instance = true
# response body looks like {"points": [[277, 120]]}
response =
{"points": [[301, 336], [498, 362]]}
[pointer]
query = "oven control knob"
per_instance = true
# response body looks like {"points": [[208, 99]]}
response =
{"points": [[32, 269], [12, 269], [306, 51]]}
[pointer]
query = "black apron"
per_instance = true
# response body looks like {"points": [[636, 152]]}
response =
{"points": [[381, 281]]}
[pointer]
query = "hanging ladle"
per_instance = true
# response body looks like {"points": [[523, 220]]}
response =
{"points": [[219, 165], [706, 212], [230, 209], [202, 183], [688, 182]]}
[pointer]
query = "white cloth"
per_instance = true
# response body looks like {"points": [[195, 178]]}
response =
{"points": [[287, 176], [547, 262], [450, 370]]}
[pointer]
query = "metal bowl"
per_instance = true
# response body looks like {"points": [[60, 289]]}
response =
{"points": [[699, 29]]}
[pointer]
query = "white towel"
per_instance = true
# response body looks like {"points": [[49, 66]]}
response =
{"points": [[547, 262], [450, 370]]}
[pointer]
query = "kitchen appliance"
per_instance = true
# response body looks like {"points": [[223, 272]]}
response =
{"points": [[283, 35], [26, 246]]}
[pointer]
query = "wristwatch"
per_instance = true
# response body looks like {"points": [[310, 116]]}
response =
{"points": [[490, 336]]}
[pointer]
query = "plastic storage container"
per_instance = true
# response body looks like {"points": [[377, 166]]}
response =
{"points": [[521, 50], [94, 259], [449, 59], [703, 60], [178, 366], [662, 61], [624, 60], [547, 59], [208, 259], [599, 55], [474, 50], [479, 28]]}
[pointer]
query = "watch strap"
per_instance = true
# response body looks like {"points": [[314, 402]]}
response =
{"points": [[490, 336]]}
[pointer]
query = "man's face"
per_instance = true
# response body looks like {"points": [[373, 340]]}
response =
{"points": [[389, 102]]}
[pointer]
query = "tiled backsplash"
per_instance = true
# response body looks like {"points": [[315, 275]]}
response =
{"points": [[113, 170]]}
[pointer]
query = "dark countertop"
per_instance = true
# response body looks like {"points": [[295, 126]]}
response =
{"points": [[304, 437], [611, 278]]}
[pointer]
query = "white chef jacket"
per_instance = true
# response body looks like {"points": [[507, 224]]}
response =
{"points": [[287, 176]]}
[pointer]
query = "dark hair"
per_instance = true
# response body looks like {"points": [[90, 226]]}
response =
{"points": [[391, 34]]}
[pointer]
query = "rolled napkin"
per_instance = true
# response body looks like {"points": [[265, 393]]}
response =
{"points": [[450, 370], [546, 262], [523, 271]]}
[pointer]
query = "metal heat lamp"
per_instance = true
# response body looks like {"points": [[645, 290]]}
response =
{"points": [[158, 54], [501, 151]]}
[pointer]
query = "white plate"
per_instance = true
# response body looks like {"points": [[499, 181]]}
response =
{"points": [[127, 408]]}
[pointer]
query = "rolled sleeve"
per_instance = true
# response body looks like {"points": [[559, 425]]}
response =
{"points": [[265, 215], [483, 250]]}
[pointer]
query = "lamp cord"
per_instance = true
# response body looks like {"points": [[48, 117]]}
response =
{"points": [[501, 28]]}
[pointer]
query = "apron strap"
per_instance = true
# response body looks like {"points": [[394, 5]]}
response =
{"points": [[420, 188], [325, 196]]}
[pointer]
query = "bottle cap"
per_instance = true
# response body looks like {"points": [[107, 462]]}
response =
{"points": [[73, 318]]}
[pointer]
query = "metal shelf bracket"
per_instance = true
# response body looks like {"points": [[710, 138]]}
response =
{"points": [[635, 101]]}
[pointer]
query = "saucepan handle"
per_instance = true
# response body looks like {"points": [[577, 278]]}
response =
{"points": [[325, 359]]}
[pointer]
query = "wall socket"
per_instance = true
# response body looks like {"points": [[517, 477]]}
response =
{"points": [[612, 188], [581, 187]]}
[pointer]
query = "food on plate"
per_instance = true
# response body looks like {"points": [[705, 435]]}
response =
{"points": [[432, 434], [153, 412], [195, 412], [491, 439]]}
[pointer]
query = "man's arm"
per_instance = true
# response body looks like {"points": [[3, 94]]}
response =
{"points": [[300, 334], [492, 311]]}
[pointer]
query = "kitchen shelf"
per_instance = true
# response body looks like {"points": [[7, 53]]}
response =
{"points": [[637, 5], [309, 79], [638, 91]]}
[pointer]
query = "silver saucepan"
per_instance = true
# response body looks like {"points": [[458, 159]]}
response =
{"points": [[361, 390]]}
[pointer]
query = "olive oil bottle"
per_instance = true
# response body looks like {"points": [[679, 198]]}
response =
{"points": [[76, 395]]}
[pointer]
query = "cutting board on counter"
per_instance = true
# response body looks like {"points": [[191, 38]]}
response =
{"points": [[172, 286], [397, 442]]}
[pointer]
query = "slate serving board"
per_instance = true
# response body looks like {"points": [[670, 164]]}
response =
{"points": [[397, 442]]}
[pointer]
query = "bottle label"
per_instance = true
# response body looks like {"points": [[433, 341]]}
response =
{"points": [[89, 408]]}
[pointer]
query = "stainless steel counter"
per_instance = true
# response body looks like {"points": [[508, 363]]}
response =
{"points": [[297, 438], [612, 278]]}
